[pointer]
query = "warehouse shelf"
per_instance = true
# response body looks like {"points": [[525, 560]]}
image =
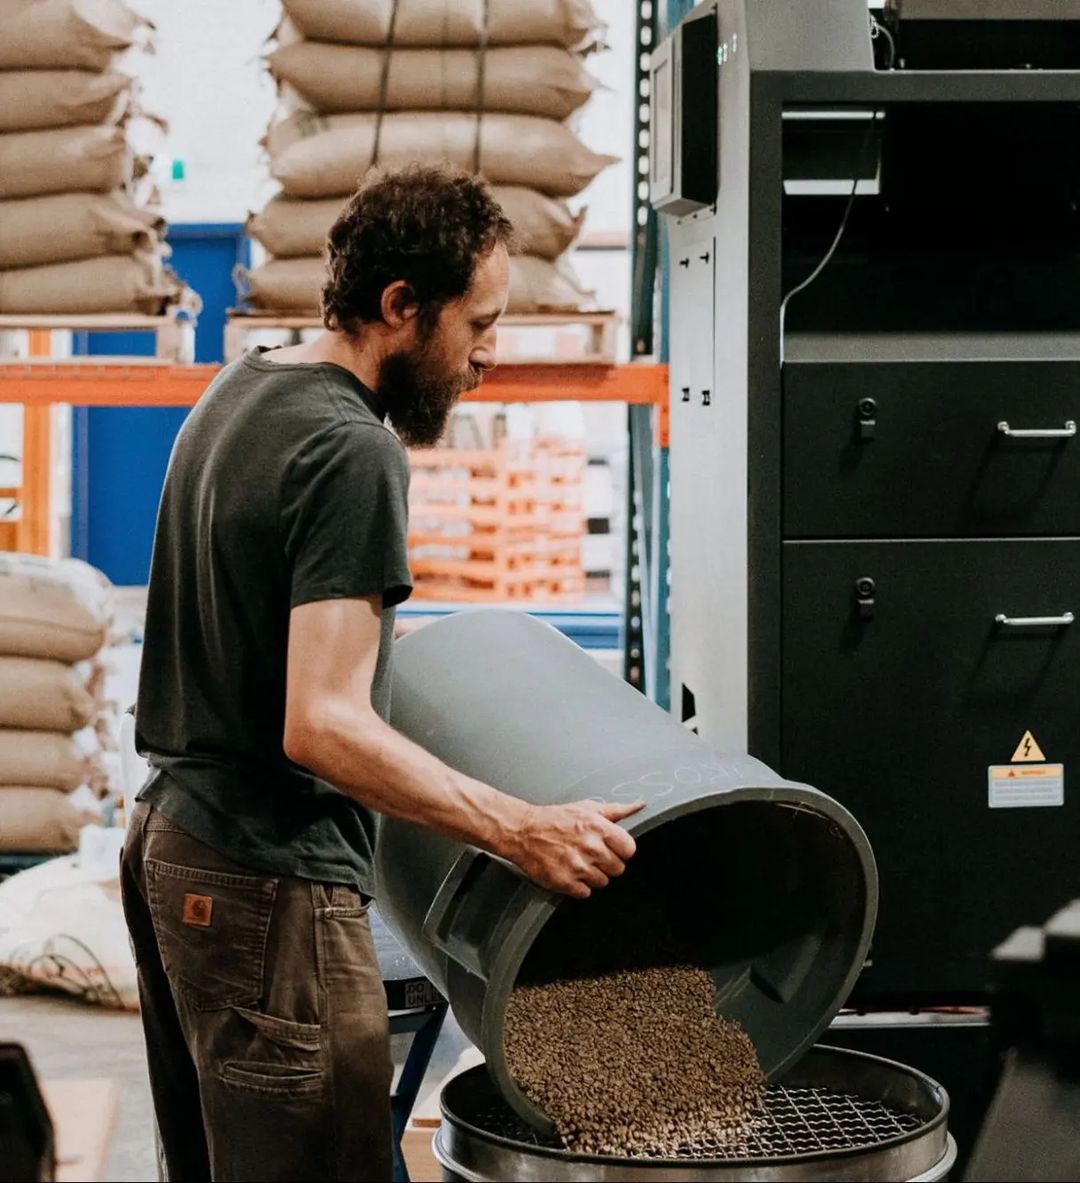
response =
{"points": [[174, 332], [596, 347]]}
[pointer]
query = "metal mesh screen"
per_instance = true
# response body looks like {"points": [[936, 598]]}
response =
{"points": [[794, 1122]]}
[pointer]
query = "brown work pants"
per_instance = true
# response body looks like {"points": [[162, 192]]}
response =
{"points": [[264, 1014]]}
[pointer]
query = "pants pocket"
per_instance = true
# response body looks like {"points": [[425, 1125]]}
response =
{"points": [[211, 930], [274, 1055]]}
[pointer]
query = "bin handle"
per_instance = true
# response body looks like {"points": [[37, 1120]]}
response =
{"points": [[1034, 621], [1038, 433], [439, 922]]}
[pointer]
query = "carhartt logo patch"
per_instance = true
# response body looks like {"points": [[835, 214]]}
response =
{"points": [[198, 910]]}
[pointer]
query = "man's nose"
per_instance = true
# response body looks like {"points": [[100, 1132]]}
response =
{"points": [[484, 358]]}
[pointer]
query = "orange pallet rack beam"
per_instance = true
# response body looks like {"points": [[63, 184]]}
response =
{"points": [[130, 383]]}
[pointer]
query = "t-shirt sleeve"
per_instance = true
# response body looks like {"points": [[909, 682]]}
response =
{"points": [[344, 517]]}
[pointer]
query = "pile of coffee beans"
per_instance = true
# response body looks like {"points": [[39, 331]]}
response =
{"points": [[634, 1063]]}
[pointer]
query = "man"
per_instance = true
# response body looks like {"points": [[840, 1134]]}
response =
{"points": [[279, 558]]}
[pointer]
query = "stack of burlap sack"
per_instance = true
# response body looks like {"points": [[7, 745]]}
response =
{"points": [[74, 234], [54, 621], [484, 85]]}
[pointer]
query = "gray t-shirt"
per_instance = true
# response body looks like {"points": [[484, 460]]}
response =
{"points": [[284, 488]]}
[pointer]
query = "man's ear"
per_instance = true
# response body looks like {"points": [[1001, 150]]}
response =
{"points": [[399, 304]]}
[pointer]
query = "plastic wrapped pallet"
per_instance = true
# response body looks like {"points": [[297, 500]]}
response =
{"points": [[47, 34], [446, 22], [94, 158], [530, 79], [45, 759], [41, 695], [57, 609], [138, 283], [65, 227], [34, 99], [536, 285], [42, 821], [290, 228], [325, 156], [62, 926]]}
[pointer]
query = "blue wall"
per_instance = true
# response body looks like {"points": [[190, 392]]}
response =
{"points": [[120, 453]]}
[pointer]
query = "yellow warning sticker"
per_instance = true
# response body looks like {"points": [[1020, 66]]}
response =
{"points": [[1028, 751], [1028, 787]]}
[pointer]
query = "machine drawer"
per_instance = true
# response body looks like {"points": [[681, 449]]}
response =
{"points": [[899, 706], [896, 450]]}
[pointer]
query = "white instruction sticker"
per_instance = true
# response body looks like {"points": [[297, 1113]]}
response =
{"points": [[1026, 786]]}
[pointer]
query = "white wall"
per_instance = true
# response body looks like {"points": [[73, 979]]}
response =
{"points": [[206, 79]]}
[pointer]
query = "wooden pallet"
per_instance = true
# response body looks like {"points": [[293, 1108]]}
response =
{"points": [[577, 338], [174, 339], [504, 523]]}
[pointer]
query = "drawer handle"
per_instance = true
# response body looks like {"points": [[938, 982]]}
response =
{"points": [[1034, 621], [1039, 433]]}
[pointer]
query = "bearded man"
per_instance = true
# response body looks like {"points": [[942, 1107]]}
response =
{"points": [[279, 558]]}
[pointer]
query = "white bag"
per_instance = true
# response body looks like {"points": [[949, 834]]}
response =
{"points": [[62, 928]]}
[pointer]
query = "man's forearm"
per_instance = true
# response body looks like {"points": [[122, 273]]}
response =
{"points": [[381, 769]]}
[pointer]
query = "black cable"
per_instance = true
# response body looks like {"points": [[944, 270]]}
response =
{"points": [[877, 29], [481, 88], [840, 233], [384, 85]]}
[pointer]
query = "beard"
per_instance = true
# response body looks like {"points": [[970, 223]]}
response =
{"points": [[417, 399]]}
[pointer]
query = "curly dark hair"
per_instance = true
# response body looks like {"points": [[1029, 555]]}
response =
{"points": [[427, 226]]}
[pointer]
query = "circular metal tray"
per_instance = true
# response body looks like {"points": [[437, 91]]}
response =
{"points": [[837, 1115]]}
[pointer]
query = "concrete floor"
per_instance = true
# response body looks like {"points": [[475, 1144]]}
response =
{"points": [[68, 1040]]}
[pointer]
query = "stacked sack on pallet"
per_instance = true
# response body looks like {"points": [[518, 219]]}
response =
{"points": [[75, 234], [54, 621], [484, 85]]}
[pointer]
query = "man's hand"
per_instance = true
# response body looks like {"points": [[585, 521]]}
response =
{"points": [[573, 849]]}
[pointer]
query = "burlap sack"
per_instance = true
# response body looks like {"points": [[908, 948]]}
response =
{"points": [[539, 285], [58, 609], [546, 226], [69, 226], [446, 22], [46, 34], [69, 159], [46, 759], [44, 695], [114, 283], [530, 79], [324, 156], [287, 285], [34, 99], [536, 285], [290, 228], [41, 821]]}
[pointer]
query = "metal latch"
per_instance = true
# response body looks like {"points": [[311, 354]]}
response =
{"points": [[867, 418], [864, 597]]}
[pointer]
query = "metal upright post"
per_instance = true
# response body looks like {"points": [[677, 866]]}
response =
{"points": [[642, 661]]}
